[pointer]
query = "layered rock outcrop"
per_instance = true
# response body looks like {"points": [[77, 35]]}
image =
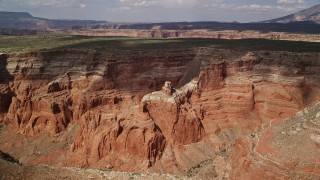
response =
{"points": [[215, 34], [110, 110]]}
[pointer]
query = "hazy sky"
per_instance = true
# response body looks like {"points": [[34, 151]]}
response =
{"points": [[158, 10]]}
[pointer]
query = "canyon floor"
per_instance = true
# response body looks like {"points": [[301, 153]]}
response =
{"points": [[77, 107]]}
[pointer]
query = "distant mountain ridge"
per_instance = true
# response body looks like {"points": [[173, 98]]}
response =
{"points": [[24, 20], [21, 20], [11, 21], [310, 14]]}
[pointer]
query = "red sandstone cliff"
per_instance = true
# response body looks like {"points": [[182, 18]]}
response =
{"points": [[107, 110]]}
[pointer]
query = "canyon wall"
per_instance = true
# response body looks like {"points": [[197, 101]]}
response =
{"points": [[223, 34], [111, 111]]}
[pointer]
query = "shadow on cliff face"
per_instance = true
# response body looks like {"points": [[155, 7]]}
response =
{"points": [[192, 71], [149, 72], [148, 69], [191, 65], [5, 76]]}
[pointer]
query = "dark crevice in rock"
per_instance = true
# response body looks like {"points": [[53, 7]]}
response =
{"points": [[8, 157]]}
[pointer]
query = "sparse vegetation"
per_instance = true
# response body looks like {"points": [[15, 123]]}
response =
{"points": [[61, 42], [194, 170]]}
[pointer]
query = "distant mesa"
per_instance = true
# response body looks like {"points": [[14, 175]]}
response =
{"points": [[24, 20]]}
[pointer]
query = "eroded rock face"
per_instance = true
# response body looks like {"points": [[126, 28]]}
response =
{"points": [[174, 114], [194, 111]]}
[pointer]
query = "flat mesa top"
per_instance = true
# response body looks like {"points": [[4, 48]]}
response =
{"points": [[11, 44]]}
